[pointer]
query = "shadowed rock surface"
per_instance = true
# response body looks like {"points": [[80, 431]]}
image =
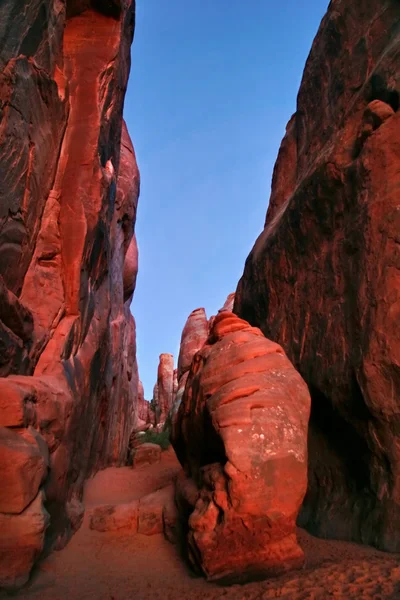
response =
{"points": [[69, 187], [323, 278], [241, 436], [145, 414]]}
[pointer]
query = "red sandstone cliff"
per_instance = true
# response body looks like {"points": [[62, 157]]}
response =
{"points": [[69, 186], [323, 278]]}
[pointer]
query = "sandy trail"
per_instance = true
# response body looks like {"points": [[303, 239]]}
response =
{"points": [[119, 566]]}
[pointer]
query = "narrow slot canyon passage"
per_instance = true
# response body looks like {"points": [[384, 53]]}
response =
{"points": [[119, 564], [190, 408]]}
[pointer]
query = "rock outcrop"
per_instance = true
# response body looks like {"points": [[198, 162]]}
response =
{"points": [[22, 541], [145, 414], [323, 278], [194, 335], [229, 302], [164, 389], [150, 515], [69, 187], [241, 436]]}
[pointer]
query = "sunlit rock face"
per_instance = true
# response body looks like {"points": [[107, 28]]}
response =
{"points": [[241, 436], [229, 302], [323, 278], [69, 187], [194, 336], [165, 387]]}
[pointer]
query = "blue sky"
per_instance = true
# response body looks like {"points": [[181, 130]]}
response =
{"points": [[212, 86]]}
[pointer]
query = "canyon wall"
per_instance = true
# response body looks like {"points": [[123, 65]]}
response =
{"points": [[323, 279], [69, 187]]}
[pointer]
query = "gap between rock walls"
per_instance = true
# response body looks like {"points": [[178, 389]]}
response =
{"points": [[270, 451]]}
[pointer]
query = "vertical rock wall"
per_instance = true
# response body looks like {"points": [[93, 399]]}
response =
{"points": [[323, 278], [69, 187]]}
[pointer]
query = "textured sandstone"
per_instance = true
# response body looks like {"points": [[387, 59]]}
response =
{"points": [[178, 397], [241, 435], [69, 187], [323, 278], [146, 454], [150, 515], [155, 402], [23, 467], [17, 404], [194, 334], [165, 387], [154, 508], [22, 540], [229, 302], [145, 414], [114, 517], [16, 328]]}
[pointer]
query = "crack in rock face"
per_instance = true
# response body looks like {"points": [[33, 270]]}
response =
{"points": [[241, 436]]}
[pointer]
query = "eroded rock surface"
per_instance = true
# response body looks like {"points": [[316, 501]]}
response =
{"points": [[22, 541], [241, 436], [323, 278], [164, 391], [229, 302], [146, 453], [145, 414], [194, 335], [23, 467], [69, 187], [149, 515]]}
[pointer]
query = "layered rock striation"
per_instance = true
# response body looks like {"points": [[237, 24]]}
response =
{"points": [[323, 278], [241, 436], [69, 186]]}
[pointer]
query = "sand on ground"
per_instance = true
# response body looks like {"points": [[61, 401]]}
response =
{"points": [[123, 566]]}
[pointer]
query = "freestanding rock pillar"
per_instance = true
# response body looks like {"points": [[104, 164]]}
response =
{"points": [[241, 436]]}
